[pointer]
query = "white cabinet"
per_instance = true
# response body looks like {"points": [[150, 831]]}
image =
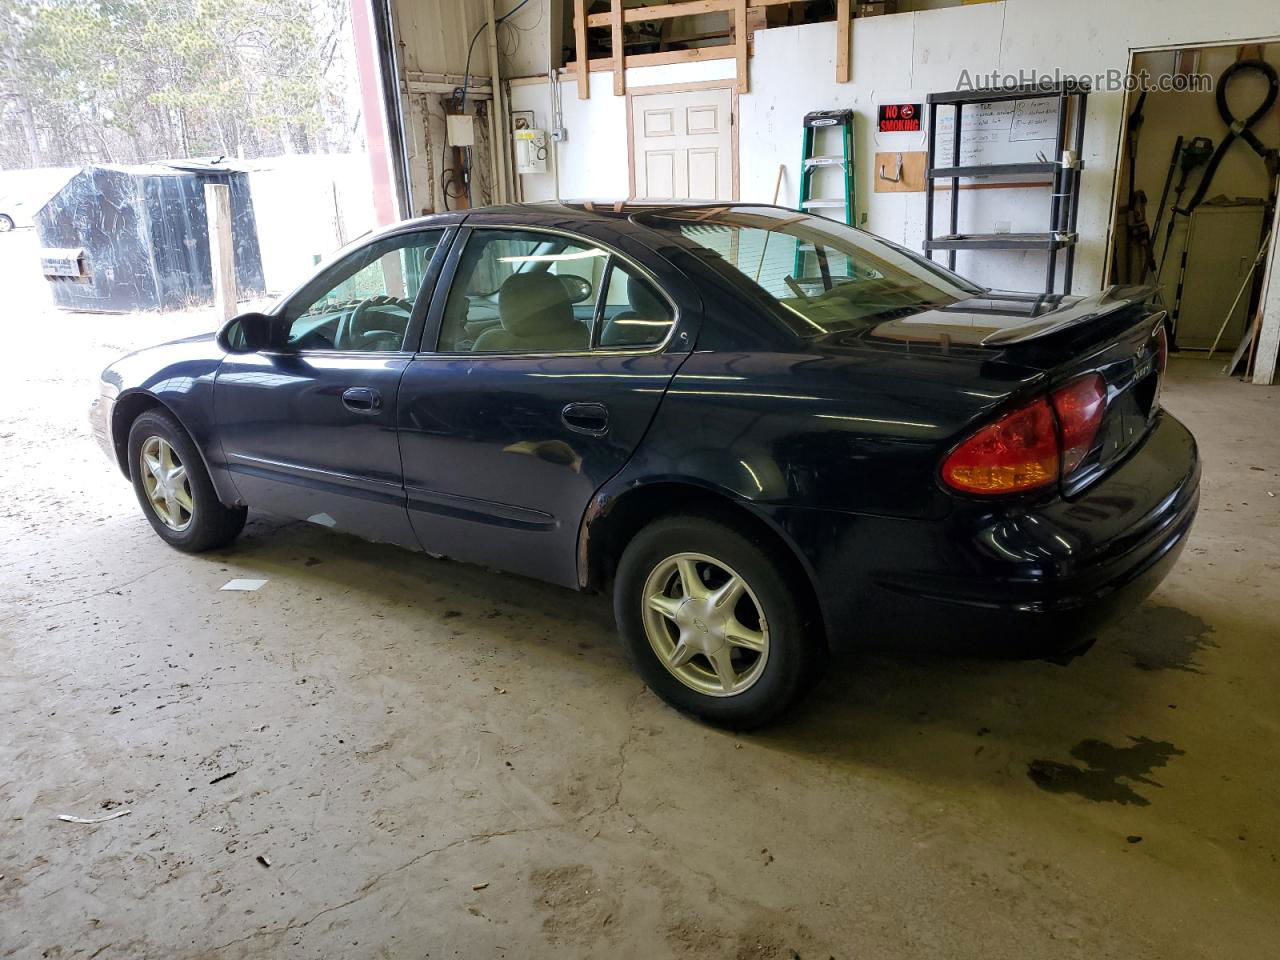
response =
{"points": [[1222, 243]]}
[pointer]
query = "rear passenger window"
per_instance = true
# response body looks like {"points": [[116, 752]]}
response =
{"points": [[633, 313], [518, 291]]}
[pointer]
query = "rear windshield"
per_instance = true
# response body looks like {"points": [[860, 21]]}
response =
{"points": [[818, 275]]}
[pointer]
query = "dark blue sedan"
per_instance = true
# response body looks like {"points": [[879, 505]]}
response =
{"points": [[766, 432]]}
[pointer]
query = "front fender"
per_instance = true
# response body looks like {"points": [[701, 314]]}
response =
{"points": [[179, 377]]}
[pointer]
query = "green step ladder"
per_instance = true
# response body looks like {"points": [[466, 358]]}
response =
{"points": [[811, 163]]}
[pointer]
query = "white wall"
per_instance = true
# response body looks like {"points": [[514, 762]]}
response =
{"points": [[524, 40], [902, 57]]}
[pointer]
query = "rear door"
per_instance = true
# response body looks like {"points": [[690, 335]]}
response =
{"points": [[546, 355], [309, 428]]}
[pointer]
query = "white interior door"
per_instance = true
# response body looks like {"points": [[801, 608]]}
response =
{"points": [[683, 145]]}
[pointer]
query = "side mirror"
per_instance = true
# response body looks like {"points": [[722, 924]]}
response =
{"points": [[578, 288], [246, 333]]}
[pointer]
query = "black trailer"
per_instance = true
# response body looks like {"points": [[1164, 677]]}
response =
{"points": [[116, 239]]}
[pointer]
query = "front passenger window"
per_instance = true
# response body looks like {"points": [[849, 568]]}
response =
{"points": [[363, 303]]}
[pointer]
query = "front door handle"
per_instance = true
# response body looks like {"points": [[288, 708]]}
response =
{"points": [[362, 400], [589, 418]]}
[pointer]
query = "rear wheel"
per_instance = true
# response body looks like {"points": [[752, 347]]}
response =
{"points": [[714, 624], [174, 488], [6, 223]]}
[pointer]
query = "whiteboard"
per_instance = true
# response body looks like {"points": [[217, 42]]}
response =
{"points": [[1005, 131]]}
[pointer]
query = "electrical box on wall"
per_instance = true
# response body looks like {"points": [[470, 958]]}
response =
{"points": [[460, 129], [531, 151]]}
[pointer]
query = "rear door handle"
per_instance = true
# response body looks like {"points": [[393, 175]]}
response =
{"points": [[362, 400], [588, 418]]}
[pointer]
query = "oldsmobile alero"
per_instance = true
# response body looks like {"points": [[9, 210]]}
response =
{"points": [[765, 432]]}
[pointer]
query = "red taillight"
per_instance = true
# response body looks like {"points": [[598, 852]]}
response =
{"points": [[1018, 452], [1024, 450], [1079, 407], [1162, 349]]}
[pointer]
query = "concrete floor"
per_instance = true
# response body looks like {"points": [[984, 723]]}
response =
{"points": [[442, 762]]}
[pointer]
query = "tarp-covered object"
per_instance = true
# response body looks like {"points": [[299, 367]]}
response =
{"points": [[123, 238]]}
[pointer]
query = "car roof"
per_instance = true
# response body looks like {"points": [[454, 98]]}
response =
{"points": [[589, 209], [557, 211], [616, 216]]}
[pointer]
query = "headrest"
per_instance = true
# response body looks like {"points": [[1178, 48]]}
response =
{"points": [[643, 300], [531, 304]]}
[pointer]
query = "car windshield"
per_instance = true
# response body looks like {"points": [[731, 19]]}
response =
{"points": [[818, 276]]}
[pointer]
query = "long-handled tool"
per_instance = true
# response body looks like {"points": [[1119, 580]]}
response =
{"points": [[1248, 277], [1139, 232], [1172, 320], [1194, 154], [1164, 198]]}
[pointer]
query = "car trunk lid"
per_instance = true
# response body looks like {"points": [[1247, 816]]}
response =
{"points": [[1113, 334]]}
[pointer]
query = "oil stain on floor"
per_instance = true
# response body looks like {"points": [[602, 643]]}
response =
{"points": [[1103, 768], [1164, 638]]}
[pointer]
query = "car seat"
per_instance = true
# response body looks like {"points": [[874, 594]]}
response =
{"points": [[645, 323], [536, 315]]}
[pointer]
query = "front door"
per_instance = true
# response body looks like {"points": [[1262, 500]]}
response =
{"points": [[309, 428], [683, 145], [552, 356]]}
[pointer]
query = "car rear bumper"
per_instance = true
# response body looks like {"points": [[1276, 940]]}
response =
{"points": [[1027, 579]]}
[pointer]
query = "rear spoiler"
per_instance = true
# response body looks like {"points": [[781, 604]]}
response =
{"points": [[1088, 309]]}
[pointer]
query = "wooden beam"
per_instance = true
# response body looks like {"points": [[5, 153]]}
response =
{"points": [[663, 12], [842, 41], [740, 43], [526, 81], [668, 10], [617, 49], [605, 64], [217, 208], [1267, 342], [580, 43]]}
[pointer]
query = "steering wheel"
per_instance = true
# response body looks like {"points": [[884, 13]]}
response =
{"points": [[349, 327]]}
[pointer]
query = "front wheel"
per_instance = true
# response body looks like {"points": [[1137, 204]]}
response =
{"points": [[174, 488], [714, 624], [6, 223]]}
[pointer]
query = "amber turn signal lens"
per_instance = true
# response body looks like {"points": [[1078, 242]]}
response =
{"points": [[1016, 453]]}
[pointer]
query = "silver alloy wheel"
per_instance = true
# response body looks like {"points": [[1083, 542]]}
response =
{"points": [[705, 624], [164, 479]]}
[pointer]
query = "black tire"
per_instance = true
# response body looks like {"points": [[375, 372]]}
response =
{"points": [[6, 223], [209, 523], [796, 649]]}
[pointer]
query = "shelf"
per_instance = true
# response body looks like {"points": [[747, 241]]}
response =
{"points": [[1027, 91], [1057, 169], [992, 170], [1002, 241]]}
